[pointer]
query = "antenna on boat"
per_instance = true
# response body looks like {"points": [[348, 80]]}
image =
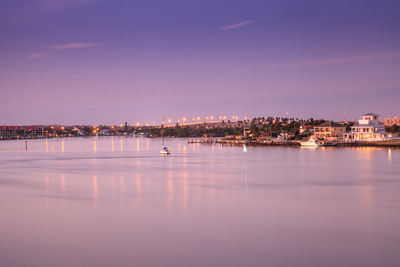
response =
{"points": [[162, 130], [164, 149]]}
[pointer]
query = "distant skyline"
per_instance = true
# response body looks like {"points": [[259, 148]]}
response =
{"points": [[107, 62]]}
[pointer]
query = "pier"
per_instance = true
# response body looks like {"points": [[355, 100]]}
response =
{"points": [[395, 142], [203, 140], [257, 143], [275, 142]]}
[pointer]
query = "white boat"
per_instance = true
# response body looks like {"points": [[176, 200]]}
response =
{"points": [[311, 143], [164, 151]]}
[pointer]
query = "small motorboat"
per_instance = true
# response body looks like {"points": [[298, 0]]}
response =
{"points": [[311, 143]]}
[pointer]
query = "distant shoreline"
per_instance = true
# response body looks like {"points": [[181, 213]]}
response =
{"points": [[217, 140]]}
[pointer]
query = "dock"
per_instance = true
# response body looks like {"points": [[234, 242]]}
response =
{"points": [[258, 143], [202, 140], [395, 142], [276, 142]]}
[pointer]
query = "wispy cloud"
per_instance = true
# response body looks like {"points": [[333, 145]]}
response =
{"points": [[26, 11], [236, 25], [37, 55], [54, 5], [73, 46], [340, 60], [62, 47]]}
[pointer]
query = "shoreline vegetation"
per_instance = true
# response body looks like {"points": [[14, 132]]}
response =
{"points": [[260, 131]]}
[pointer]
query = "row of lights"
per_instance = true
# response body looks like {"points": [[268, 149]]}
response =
{"points": [[182, 120], [198, 119], [169, 121]]}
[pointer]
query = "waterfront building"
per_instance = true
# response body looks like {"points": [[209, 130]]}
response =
{"points": [[306, 128], [11, 131], [391, 121], [329, 131], [21, 131], [367, 129]]}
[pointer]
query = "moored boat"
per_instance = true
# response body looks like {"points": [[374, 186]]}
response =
{"points": [[311, 143], [165, 150]]}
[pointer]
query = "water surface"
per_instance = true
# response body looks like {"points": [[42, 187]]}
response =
{"points": [[117, 202]]}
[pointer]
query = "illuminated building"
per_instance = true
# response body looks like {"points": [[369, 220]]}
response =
{"points": [[329, 130], [391, 121], [367, 129]]}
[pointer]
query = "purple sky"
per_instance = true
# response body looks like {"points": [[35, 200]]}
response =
{"points": [[103, 61]]}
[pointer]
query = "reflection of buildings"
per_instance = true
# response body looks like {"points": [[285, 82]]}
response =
{"points": [[329, 130], [391, 121], [367, 129]]}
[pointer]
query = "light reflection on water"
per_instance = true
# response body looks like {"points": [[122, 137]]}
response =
{"points": [[84, 202]]}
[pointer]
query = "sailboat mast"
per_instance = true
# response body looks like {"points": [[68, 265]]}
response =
{"points": [[162, 132]]}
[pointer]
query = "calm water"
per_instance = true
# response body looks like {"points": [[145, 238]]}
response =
{"points": [[117, 202]]}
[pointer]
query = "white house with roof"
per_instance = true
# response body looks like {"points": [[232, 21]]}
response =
{"points": [[367, 129]]}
